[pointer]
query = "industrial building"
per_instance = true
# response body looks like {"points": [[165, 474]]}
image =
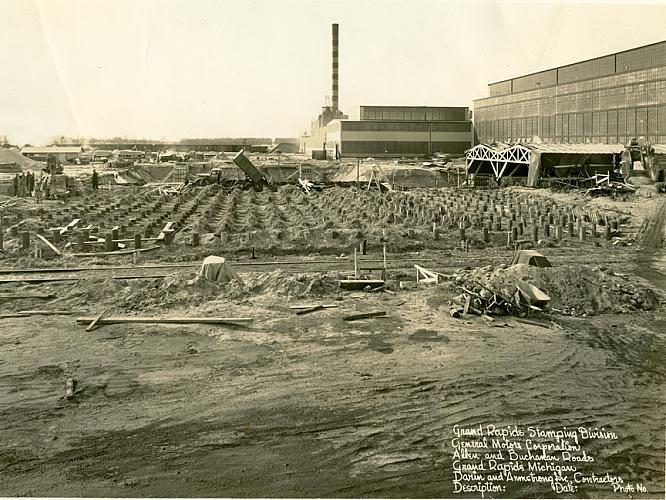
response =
{"points": [[606, 100], [393, 131], [386, 131]]}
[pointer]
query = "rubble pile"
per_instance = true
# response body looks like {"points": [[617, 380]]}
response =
{"points": [[574, 289]]}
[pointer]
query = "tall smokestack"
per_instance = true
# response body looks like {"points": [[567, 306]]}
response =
{"points": [[335, 67]]}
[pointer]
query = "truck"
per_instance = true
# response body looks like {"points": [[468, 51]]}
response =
{"points": [[253, 176]]}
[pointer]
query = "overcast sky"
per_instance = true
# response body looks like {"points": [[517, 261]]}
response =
{"points": [[188, 68]]}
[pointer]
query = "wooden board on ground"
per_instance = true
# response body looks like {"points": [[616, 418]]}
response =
{"points": [[374, 314], [116, 252], [94, 322], [49, 244], [356, 284], [179, 321]]}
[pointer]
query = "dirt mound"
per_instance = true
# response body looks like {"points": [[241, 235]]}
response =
{"points": [[573, 289], [296, 285], [13, 155], [180, 290]]}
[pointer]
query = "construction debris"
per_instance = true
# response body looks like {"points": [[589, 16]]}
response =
{"points": [[354, 317]]}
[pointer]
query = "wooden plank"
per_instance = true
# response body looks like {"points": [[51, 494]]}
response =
{"points": [[533, 323], [310, 310], [374, 314], [94, 322], [116, 252], [360, 284], [325, 306], [69, 226], [177, 321], [49, 244], [7, 296], [48, 313]]}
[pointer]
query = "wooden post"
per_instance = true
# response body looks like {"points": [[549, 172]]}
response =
{"points": [[137, 241], [582, 232], [384, 239], [109, 245], [80, 242], [535, 233], [558, 233], [607, 232], [355, 264], [25, 239], [486, 238]]}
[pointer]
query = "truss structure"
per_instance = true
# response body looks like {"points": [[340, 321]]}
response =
{"points": [[485, 159]]}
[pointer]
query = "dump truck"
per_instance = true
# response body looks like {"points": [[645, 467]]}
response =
{"points": [[254, 177]]}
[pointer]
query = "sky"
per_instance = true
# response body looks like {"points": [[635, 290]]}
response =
{"points": [[170, 69]]}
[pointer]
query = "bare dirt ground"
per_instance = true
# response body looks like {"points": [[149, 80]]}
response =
{"points": [[313, 406]]}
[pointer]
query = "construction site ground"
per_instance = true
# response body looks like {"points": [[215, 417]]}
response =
{"points": [[312, 405]]}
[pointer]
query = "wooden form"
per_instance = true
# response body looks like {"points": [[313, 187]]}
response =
{"points": [[424, 275]]}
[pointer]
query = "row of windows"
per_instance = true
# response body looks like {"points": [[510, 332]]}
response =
{"points": [[403, 147], [631, 60], [381, 126], [642, 94], [622, 80], [647, 121], [419, 113]]}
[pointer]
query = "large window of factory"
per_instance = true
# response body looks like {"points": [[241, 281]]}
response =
{"points": [[404, 126]]}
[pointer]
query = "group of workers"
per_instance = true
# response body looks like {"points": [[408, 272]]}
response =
{"points": [[26, 184]]}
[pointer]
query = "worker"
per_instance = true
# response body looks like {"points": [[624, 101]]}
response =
{"points": [[52, 190], [45, 186], [31, 183], [15, 185], [23, 185], [95, 180], [38, 190]]}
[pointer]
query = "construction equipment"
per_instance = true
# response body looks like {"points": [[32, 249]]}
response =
{"points": [[636, 160], [254, 177]]}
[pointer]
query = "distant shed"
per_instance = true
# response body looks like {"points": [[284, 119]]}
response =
{"points": [[62, 153]]}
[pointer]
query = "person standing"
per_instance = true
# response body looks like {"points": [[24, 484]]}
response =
{"points": [[15, 184], [95, 180], [38, 190], [23, 185], [31, 183]]}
